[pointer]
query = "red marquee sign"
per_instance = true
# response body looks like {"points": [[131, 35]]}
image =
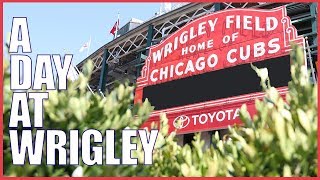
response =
{"points": [[217, 41]]}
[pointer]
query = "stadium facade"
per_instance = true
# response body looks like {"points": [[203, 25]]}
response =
{"points": [[123, 59]]}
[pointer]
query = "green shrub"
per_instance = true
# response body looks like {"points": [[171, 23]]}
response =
{"points": [[280, 140], [76, 108]]}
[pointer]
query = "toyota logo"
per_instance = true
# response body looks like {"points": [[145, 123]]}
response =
{"points": [[181, 122]]}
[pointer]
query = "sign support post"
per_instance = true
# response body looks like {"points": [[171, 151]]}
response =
{"points": [[217, 7], [141, 55], [149, 38], [313, 7], [104, 72]]}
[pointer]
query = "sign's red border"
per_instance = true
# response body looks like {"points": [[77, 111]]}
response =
{"points": [[174, 58], [122, 178]]}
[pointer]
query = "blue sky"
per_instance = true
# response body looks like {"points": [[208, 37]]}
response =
{"points": [[54, 27]]}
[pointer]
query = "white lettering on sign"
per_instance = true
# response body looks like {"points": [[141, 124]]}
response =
{"points": [[184, 121], [184, 37], [258, 49], [184, 68], [218, 116], [251, 23], [238, 22], [246, 52]]}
